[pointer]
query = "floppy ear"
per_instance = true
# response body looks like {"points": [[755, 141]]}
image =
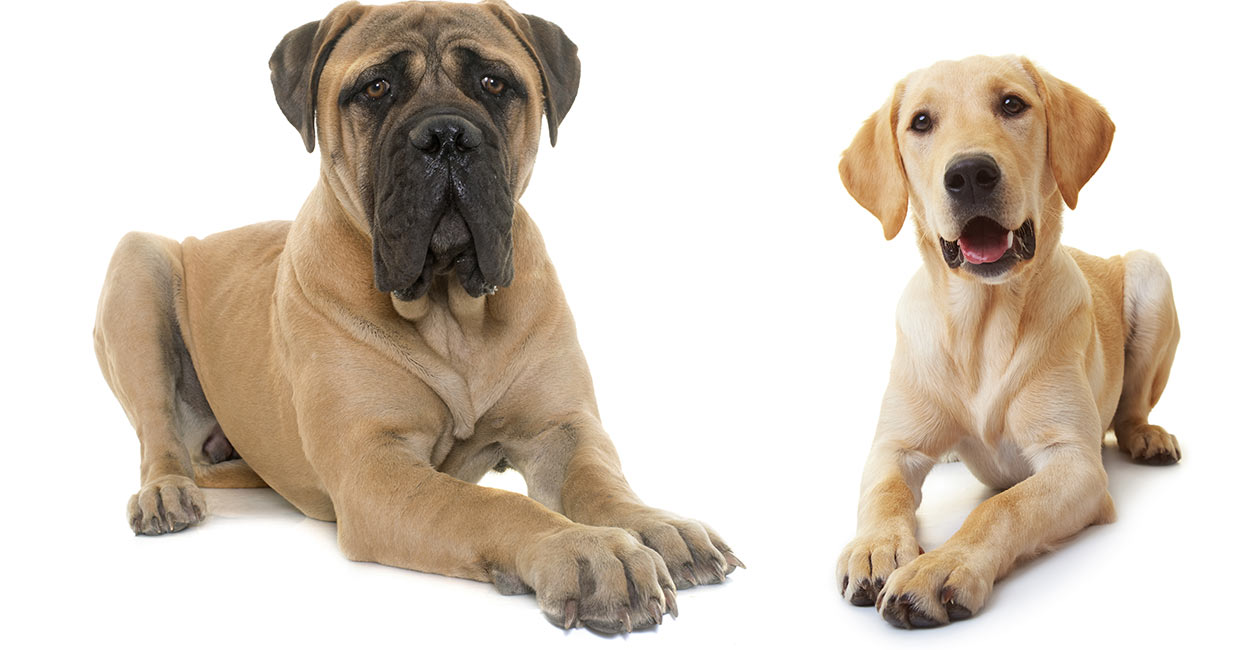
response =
{"points": [[1078, 132], [872, 170], [295, 67], [553, 53]]}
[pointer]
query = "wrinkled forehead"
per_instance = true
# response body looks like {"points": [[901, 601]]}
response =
{"points": [[430, 30], [973, 80]]}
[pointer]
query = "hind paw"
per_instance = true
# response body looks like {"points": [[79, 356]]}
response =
{"points": [[166, 505], [1149, 444]]}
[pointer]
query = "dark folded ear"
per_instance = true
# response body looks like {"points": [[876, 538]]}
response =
{"points": [[872, 170], [295, 67], [555, 55], [1078, 132]]}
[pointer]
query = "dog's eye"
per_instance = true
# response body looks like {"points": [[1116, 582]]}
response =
{"points": [[921, 122], [493, 85], [377, 89], [1013, 105]]}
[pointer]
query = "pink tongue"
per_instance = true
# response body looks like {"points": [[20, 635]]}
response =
{"points": [[983, 243]]}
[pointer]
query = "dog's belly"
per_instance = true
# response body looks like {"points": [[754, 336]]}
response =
{"points": [[229, 298]]}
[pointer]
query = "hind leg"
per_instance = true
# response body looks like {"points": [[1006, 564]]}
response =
{"points": [[140, 350], [1152, 332]]}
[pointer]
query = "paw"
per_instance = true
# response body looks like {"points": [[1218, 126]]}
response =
{"points": [[868, 561], [935, 589], [602, 578], [166, 505], [1150, 444], [692, 551]]}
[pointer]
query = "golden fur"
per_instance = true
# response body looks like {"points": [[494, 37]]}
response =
{"points": [[1020, 374]]}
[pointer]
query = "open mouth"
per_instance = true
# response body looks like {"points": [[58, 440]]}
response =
{"points": [[986, 248]]}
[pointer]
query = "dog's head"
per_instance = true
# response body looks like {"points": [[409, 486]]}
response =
{"points": [[985, 149], [429, 118]]}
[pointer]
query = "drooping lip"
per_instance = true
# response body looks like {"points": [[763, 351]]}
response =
{"points": [[406, 258], [463, 262], [987, 248]]}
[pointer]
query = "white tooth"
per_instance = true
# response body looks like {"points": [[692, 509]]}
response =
{"points": [[1011, 239]]}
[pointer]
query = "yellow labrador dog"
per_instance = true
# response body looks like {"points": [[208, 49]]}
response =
{"points": [[374, 358], [1014, 352]]}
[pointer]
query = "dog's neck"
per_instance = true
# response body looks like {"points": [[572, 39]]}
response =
{"points": [[976, 311], [463, 347]]}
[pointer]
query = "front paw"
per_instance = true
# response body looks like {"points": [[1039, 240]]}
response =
{"points": [[602, 578], [935, 589], [868, 561], [693, 552]]}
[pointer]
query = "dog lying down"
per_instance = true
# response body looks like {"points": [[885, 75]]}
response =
{"points": [[373, 359], [1014, 352]]}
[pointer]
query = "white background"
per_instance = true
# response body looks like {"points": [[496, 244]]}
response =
{"points": [[736, 307]]}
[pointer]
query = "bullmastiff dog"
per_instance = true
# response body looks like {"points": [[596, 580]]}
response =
{"points": [[1014, 352], [405, 334]]}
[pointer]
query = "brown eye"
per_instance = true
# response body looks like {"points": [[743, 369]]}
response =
{"points": [[493, 85], [377, 89], [1013, 105], [922, 122]]}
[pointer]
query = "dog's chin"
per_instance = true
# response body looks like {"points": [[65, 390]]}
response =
{"points": [[989, 252], [451, 250], [465, 268]]}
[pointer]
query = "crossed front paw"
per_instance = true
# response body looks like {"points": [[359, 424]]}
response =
{"points": [[601, 578], [935, 589]]}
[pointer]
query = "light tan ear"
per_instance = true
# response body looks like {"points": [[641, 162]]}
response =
{"points": [[1078, 132], [872, 170]]}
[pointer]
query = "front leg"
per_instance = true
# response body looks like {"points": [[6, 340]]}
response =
{"points": [[952, 582], [572, 467], [885, 536], [1066, 492], [394, 508]]}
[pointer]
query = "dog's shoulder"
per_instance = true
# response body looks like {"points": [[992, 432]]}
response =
{"points": [[244, 246], [1104, 275], [228, 274]]}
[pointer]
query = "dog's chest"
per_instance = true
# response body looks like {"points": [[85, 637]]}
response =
{"points": [[983, 371], [988, 394], [982, 401], [474, 360]]}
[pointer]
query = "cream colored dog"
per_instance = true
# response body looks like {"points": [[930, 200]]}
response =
{"points": [[1013, 351]]}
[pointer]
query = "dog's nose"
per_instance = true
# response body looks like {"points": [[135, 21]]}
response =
{"points": [[971, 178], [445, 133]]}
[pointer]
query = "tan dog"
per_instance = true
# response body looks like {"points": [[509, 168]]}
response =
{"points": [[360, 361], [1013, 351]]}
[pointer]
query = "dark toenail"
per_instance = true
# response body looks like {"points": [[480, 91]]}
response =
{"points": [[957, 612], [954, 611], [864, 594], [895, 612], [920, 619]]}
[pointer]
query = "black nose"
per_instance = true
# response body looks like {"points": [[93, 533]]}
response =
{"points": [[971, 178], [446, 134]]}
